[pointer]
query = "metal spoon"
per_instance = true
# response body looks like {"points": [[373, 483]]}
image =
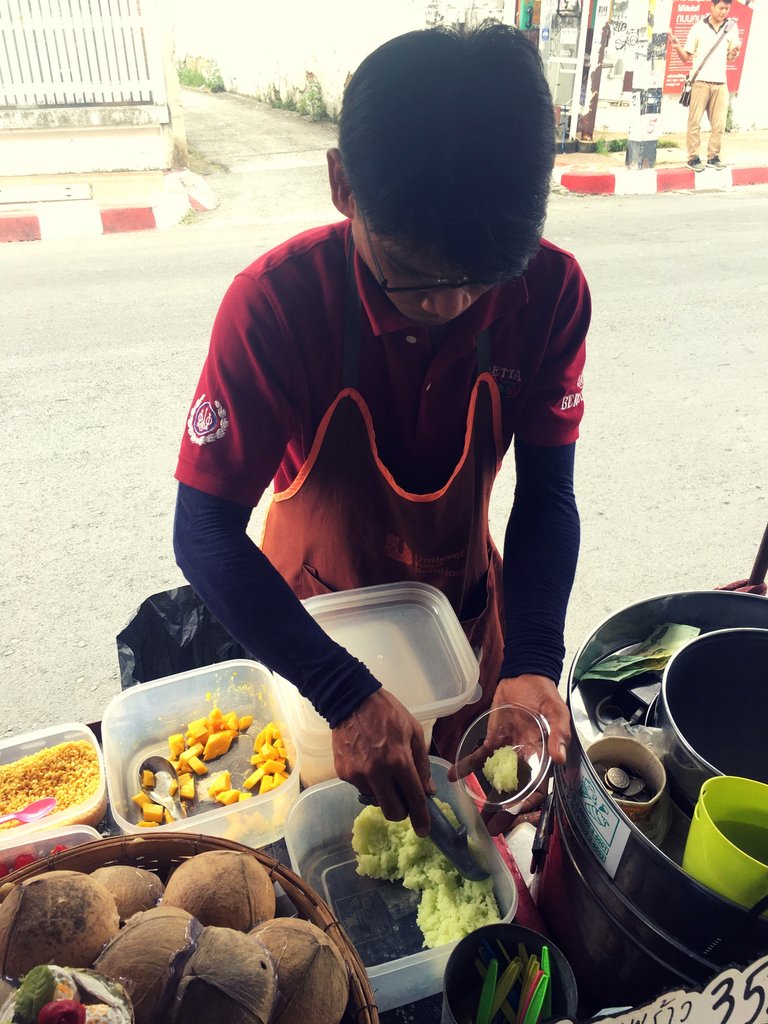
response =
{"points": [[37, 809], [165, 774]]}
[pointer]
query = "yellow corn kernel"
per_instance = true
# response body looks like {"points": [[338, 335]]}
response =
{"points": [[197, 765], [252, 779], [153, 812], [244, 722]]}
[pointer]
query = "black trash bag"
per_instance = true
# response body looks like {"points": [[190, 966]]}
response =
{"points": [[172, 632]]}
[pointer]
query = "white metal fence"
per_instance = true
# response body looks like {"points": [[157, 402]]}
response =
{"points": [[78, 53]]}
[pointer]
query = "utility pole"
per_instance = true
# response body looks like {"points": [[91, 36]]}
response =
{"points": [[586, 122]]}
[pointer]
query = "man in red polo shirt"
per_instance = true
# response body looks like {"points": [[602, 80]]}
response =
{"points": [[377, 370]]}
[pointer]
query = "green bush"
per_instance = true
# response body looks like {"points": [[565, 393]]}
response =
{"points": [[194, 78]]}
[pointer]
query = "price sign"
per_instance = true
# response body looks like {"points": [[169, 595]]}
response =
{"points": [[737, 996]]}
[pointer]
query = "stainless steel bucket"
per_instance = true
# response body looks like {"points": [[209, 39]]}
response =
{"points": [[628, 918], [713, 709]]}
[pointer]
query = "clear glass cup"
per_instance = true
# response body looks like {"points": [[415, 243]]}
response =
{"points": [[510, 726]]}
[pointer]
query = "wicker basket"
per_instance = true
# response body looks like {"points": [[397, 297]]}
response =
{"points": [[164, 852]]}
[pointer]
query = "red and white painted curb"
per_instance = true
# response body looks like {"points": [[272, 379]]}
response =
{"points": [[73, 213], [629, 182]]}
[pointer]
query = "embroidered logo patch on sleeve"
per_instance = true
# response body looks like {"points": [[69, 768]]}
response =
{"points": [[207, 421]]}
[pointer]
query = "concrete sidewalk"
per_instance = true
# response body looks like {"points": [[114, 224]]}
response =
{"points": [[744, 153], [235, 141]]}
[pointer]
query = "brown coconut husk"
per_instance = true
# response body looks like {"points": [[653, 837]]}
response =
{"points": [[229, 977], [222, 889], [312, 977], [144, 956], [59, 917], [133, 889]]}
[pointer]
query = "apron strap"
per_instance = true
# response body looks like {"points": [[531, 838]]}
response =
{"points": [[352, 324]]}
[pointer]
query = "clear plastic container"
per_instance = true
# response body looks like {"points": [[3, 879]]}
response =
{"points": [[522, 731], [138, 722], [89, 812], [410, 638], [380, 916], [42, 844]]}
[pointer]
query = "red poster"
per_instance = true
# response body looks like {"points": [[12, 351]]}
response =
{"points": [[685, 14]]}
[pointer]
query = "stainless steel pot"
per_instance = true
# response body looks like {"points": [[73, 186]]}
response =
{"points": [[713, 708]]}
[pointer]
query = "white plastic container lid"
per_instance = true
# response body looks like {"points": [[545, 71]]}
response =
{"points": [[410, 638]]}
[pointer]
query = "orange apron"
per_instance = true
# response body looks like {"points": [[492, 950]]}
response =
{"points": [[345, 522]]}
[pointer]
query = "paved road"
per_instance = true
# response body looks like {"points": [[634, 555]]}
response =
{"points": [[102, 342]]}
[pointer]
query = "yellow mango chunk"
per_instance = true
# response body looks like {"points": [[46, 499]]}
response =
{"points": [[167, 817], [229, 796], [230, 721], [187, 789], [194, 751], [218, 744], [153, 812], [244, 722], [142, 799], [148, 779], [176, 744], [197, 765], [173, 787], [185, 777], [148, 824], [219, 783], [272, 767], [244, 796], [266, 784], [268, 750], [251, 781]]}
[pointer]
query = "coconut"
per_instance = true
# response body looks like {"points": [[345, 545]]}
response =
{"points": [[228, 978], [133, 889], [141, 957], [312, 977], [222, 888], [58, 917]]}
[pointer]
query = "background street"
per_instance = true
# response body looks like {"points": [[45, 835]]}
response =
{"points": [[103, 339]]}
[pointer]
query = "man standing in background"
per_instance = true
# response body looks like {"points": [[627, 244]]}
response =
{"points": [[710, 44]]}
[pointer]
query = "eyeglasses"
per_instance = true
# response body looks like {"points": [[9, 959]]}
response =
{"points": [[385, 286]]}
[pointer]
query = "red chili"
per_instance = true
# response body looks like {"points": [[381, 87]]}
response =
{"points": [[65, 1011], [60, 848]]}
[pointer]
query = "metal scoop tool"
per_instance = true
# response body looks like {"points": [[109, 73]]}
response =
{"points": [[164, 774], [451, 842]]}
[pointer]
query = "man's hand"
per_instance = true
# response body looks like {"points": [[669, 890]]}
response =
{"points": [[505, 728], [380, 749]]}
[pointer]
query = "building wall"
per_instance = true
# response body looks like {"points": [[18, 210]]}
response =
{"points": [[268, 51]]}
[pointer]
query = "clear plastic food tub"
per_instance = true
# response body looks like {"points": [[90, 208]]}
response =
{"points": [[89, 811], [410, 638], [379, 916], [43, 844], [138, 722]]}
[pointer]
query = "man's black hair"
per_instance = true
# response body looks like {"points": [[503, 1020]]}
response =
{"points": [[447, 139]]}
